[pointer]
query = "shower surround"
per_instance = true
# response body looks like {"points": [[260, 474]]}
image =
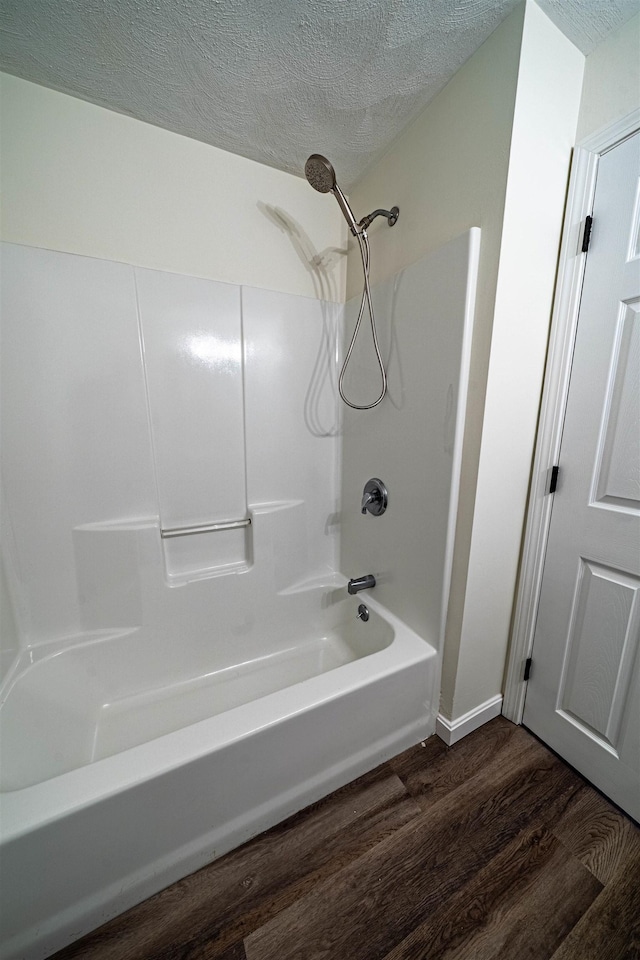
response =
{"points": [[168, 694]]}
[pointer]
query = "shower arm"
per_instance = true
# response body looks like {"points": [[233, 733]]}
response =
{"points": [[391, 215]]}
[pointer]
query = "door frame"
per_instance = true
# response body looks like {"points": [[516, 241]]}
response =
{"points": [[564, 322]]}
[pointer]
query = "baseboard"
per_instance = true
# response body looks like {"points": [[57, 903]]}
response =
{"points": [[453, 730]]}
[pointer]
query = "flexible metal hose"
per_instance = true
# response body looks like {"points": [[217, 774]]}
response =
{"points": [[365, 253]]}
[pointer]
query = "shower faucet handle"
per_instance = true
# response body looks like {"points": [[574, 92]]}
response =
{"points": [[367, 498], [374, 497]]}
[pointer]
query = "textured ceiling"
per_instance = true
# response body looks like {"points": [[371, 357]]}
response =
{"points": [[273, 80]]}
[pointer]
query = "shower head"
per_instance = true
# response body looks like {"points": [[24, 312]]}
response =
{"points": [[322, 177], [320, 173]]}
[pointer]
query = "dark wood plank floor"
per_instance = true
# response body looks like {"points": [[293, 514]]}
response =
{"points": [[492, 848]]}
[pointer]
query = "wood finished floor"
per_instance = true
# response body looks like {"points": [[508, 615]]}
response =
{"points": [[492, 848]]}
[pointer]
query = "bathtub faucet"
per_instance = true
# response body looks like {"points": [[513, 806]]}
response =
{"points": [[361, 583]]}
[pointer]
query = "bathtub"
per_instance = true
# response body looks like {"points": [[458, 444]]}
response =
{"points": [[128, 781]]}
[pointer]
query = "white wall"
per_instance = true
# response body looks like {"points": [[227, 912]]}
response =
{"points": [[81, 179], [412, 440], [448, 172], [491, 150], [611, 86], [545, 118], [106, 370]]}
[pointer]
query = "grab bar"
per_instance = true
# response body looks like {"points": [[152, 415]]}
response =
{"points": [[204, 528]]}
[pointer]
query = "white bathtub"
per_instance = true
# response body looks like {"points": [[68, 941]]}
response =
{"points": [[128, 782]]}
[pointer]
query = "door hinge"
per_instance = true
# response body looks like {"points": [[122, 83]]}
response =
{"points": [[553, 479], [527, 669], [586, 234]]}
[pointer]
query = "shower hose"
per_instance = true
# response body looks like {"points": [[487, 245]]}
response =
{"points": [[365, 253]]}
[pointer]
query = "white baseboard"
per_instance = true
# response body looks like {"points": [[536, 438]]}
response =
{"points": [[453, 730]]}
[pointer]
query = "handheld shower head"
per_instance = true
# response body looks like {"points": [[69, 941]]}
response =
{"points": [[322, 177], [320, 173]]}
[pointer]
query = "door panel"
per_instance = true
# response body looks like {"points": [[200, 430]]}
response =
{"points": [[595, 682], [583, 696], [618, 476]]}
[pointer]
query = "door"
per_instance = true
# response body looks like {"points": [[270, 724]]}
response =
{"points": [[583, 696]]}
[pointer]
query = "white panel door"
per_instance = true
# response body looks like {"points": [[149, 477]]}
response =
{"points": [[583, 697]]}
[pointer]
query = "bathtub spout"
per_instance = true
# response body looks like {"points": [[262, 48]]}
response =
{"points": [[361, 583]]}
